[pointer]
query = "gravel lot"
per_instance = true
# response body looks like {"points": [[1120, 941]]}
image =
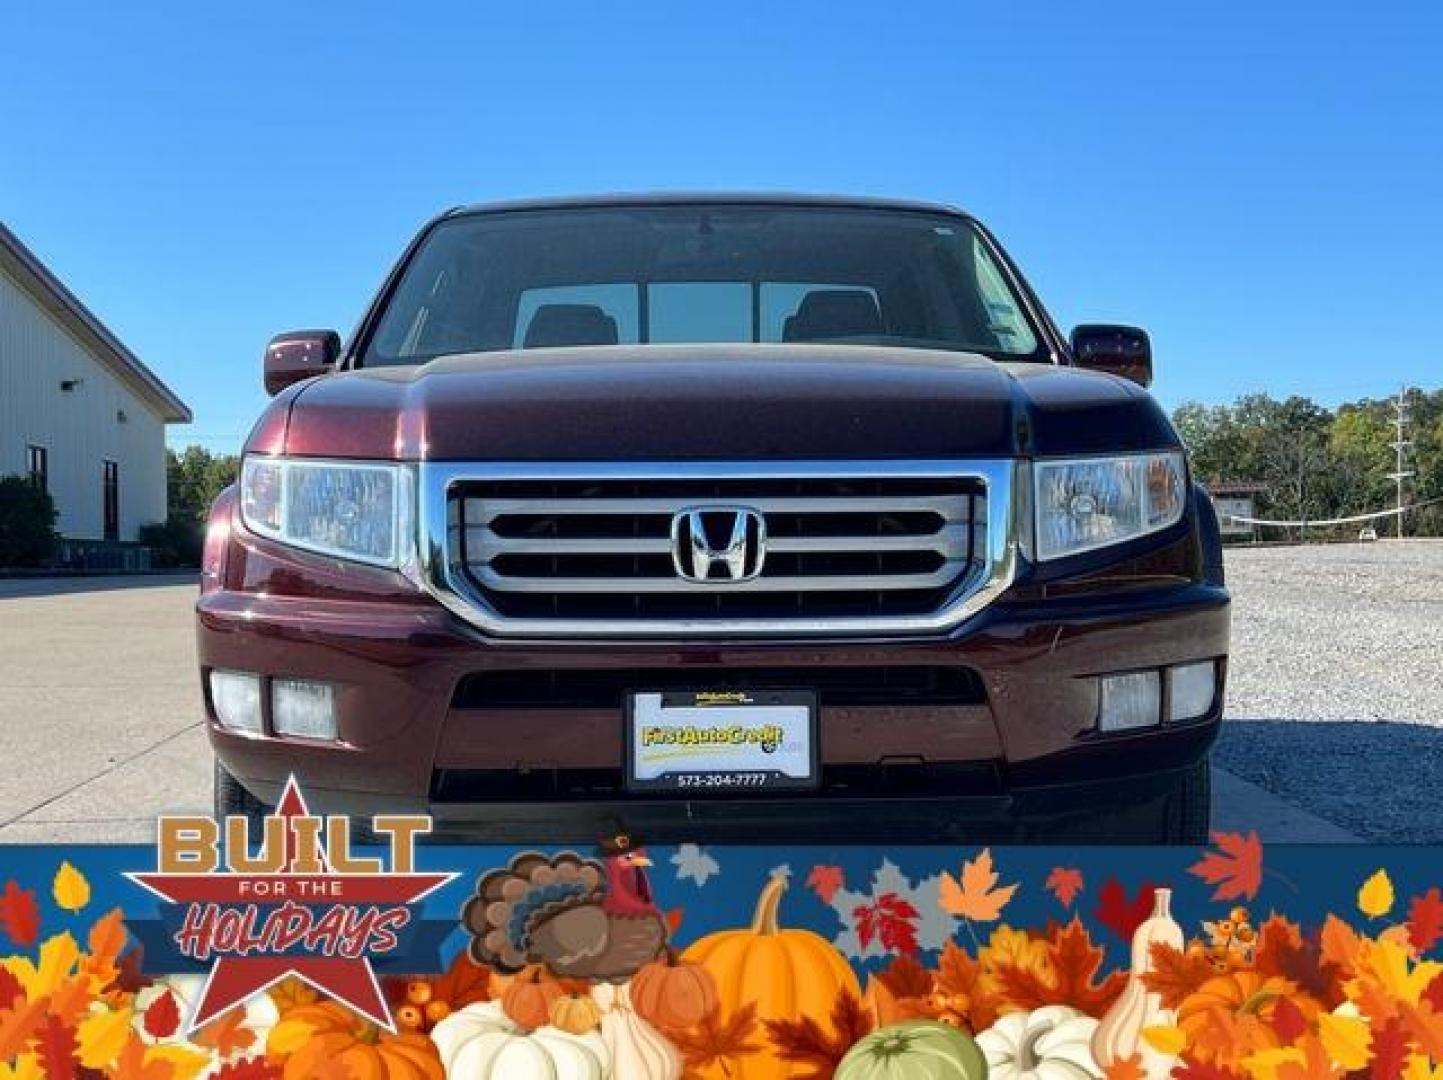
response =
{"points": [[1336, 694]]}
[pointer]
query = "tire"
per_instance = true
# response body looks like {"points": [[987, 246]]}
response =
{"points": [[1187, 812], [233, 800]]}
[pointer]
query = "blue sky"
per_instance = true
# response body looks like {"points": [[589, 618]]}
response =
{"points": [[1259, 184]]}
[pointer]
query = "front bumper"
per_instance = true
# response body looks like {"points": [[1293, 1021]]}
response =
{"points": [[1019, 756]]}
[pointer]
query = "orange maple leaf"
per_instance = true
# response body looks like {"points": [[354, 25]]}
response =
{"points": [[1236, 868], [1175, 974], [1125, 1069], [1064, 883], [977, 896], [1071, 979]]}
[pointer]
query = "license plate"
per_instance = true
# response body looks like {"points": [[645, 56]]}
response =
{"points": [[731, 742]]}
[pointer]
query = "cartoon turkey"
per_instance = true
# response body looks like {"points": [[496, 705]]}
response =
{"points": [[581, 918]]}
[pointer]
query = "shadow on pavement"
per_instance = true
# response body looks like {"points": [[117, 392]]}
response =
{"points": [[1377, 778], [64, 586]]}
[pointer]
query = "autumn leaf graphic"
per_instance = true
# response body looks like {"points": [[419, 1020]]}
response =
{"points": [[976, 897], [825, 881], [1376, 897], [1123, 914], [1425, 921], [1064, 883], [891, 921], [19, 915], [70, 888], [1236, 868]]}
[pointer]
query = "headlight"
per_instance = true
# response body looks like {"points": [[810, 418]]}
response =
{"points": [[353, 511], [1087, 503]]}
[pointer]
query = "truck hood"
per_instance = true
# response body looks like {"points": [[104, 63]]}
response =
{"points": [[713, 402]]}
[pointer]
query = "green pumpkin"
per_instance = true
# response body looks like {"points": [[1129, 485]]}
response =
{"points": [[914, 1050]]}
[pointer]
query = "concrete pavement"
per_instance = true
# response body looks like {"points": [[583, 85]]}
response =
{"points": [[100, 718]]}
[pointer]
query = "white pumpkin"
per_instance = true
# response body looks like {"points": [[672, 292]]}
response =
{"points": [[1051, 1043], [480, 1042], [638, 1050]]}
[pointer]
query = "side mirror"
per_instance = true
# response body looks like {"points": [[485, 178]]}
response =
{"points": [[1117, 350], [299, 355]]}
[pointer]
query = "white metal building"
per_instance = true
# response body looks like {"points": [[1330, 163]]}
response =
{"points": [[79, 412]]}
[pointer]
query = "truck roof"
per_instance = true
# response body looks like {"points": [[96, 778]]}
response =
{"points": [[707, 198]]}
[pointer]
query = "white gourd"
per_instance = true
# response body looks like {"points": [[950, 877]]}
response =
{"points": [[1119, 1036], [638, 1051], [1051, 1043], [480, 1042]]}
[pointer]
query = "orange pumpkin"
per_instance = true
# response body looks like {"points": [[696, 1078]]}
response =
{"points": [[787, 974], [1240, 993], [672, 994], [528, 1000], [312, 1036]]}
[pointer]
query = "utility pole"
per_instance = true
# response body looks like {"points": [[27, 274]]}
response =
{"points": [[1400, 450]]}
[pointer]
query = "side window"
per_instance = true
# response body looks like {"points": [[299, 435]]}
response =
{"points": [[38, 464], [619, 302], [781, 300], [1006, 323], [111, 497]]}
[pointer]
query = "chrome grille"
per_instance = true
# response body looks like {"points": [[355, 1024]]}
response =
{"points": [[591, 550]]}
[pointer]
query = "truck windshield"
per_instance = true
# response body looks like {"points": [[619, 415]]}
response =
{"points": [[702, 274]]}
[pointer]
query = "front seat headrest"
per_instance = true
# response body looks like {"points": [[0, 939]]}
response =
{"points": [[559, 325], [833, 313]]}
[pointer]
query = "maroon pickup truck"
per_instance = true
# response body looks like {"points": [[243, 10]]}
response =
{"points": [[718, 517]]}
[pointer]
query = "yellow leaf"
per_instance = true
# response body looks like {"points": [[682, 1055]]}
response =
{"points": [[71, 890], [1375, 898], [186, 1063], [58, 957], [289, 1036], [1170, 1041], [1386, 964], [102, 1037], [26, 1067], [1345, 1040]]}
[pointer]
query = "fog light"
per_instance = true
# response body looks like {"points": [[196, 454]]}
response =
{"points": [[304, 708], [1130, 701], [236, 698], [1191, 689]]}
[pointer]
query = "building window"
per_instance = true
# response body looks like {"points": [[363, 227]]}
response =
{"points": [[112, 500], [38, 466]]}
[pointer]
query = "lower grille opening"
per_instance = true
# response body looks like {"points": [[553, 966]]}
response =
{"points": [[605, 688], [909, 780]]}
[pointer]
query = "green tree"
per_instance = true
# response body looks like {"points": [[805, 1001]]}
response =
{"points": [[27, 524], [194, 478]]}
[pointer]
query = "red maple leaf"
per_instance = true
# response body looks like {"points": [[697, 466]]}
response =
{"points": [[891, 920], [19, 915], [1118, 913], [57, 1049], [251, 1068], [1236, 868], [825, 881], [162, 1018], [1074, 979], [1065, 883], [1391, 1047], [10, 989], [1425, 920]]}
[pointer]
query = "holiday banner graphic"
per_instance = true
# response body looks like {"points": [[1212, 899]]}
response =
{"points": [[294, 953]]}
